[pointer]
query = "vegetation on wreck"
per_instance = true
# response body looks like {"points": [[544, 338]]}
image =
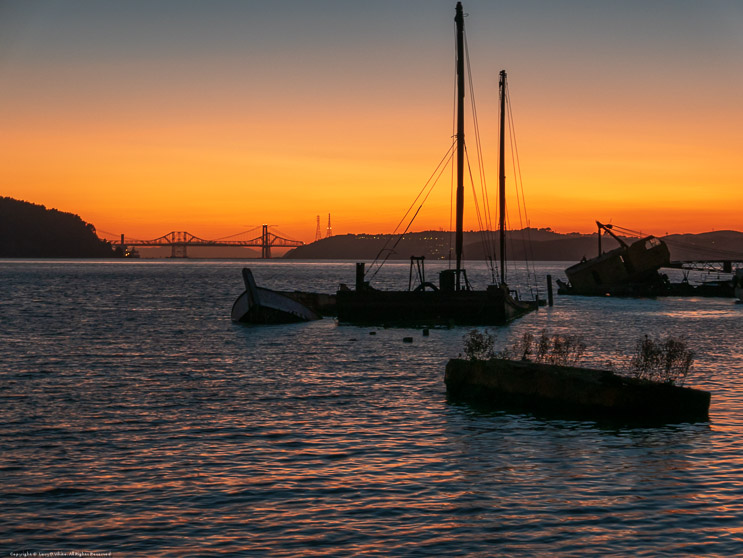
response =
{"points": [[668, 360]]}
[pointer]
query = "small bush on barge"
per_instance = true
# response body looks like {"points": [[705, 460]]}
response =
{"points": [[478, 345], [668, 360]]}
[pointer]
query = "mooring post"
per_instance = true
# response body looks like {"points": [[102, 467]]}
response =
{"points": [[550, 300]]}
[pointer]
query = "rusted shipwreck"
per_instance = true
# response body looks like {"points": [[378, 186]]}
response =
{"points": [[629, 270]]}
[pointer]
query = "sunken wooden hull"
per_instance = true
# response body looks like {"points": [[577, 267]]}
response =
{"points": [[493, 306], [571, 391]]}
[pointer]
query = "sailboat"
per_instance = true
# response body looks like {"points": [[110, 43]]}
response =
{"points": [[453, 301]]}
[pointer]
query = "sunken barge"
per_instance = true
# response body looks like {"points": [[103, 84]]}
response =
{"points": [[571, 391]]}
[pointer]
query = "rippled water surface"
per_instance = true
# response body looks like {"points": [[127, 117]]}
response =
{"points": [[136, 419]]}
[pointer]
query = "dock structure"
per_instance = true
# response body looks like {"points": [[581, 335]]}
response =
{"points": [[722, 266]]}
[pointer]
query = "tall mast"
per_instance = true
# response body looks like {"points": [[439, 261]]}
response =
{"points": [[502, 178], [459, 20]]}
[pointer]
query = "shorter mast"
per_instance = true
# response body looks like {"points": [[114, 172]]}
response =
{"points": [[502, 178]]}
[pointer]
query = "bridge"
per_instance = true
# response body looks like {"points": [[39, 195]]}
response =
{"points": [[180, 241]]}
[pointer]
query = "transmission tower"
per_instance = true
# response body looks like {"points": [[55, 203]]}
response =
{"points": [[329, 232], [318, 232]]}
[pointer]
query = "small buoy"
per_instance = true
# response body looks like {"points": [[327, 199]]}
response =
{"points": [[425, 332], [407, 339]]}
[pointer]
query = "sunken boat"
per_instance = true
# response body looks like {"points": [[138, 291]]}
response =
{"points": [[452, 301], [259, 305], [629, 270]]}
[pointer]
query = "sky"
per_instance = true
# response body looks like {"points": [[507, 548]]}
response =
{"points": [[145, 117]]}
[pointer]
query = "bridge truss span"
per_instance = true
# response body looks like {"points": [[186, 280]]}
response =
{"points": [[180, 241]]}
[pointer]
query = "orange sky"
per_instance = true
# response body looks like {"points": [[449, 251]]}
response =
{"points": [[145, 120]]}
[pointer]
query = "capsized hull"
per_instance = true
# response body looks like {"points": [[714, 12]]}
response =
{"points": [[258, 305]]}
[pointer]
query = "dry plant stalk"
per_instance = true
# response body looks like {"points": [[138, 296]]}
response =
{"points": [[662, 360]]}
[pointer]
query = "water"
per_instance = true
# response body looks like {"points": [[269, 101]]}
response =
{"points": [[136, 419]]}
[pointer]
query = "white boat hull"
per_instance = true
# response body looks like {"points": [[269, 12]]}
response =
{"points": [[259, 305]]}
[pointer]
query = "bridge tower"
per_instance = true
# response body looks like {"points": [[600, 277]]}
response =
{"points": [[179, 244], [329, 232], [265, 243], [178, 251]]}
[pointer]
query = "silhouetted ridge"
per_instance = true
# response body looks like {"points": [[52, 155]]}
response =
{"points": [[28, 230], [532, 244]]}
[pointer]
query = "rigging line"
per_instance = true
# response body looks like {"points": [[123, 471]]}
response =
{"points": [[486, 241], [624, 230], [703, 250], [486, 226], [447, 156], [443, 160], [488, 229], [512, 141], [680, 243], [442, 166], [474, 193], [527, 240], [402, 234], [476, 128]]}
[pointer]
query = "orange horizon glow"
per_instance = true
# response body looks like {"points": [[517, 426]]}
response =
{"points": [[219, 143]]}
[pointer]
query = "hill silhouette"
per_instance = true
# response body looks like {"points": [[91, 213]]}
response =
{"points": [[28, 230], [532, 244]]}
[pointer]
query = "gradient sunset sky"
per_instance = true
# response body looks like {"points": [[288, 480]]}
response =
{"points": [[213, 117]]}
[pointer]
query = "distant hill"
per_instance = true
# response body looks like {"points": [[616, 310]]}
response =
{"points": [[532, 244], [29, 230], [726, 245]]}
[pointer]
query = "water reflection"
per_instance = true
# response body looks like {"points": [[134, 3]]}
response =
{"points": [[137, 418]]}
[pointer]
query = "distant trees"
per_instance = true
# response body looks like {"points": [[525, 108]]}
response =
{"points": [[29, 230]]}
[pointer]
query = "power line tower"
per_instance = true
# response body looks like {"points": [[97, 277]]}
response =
{"points": [[318, 232], [329, 232]]}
